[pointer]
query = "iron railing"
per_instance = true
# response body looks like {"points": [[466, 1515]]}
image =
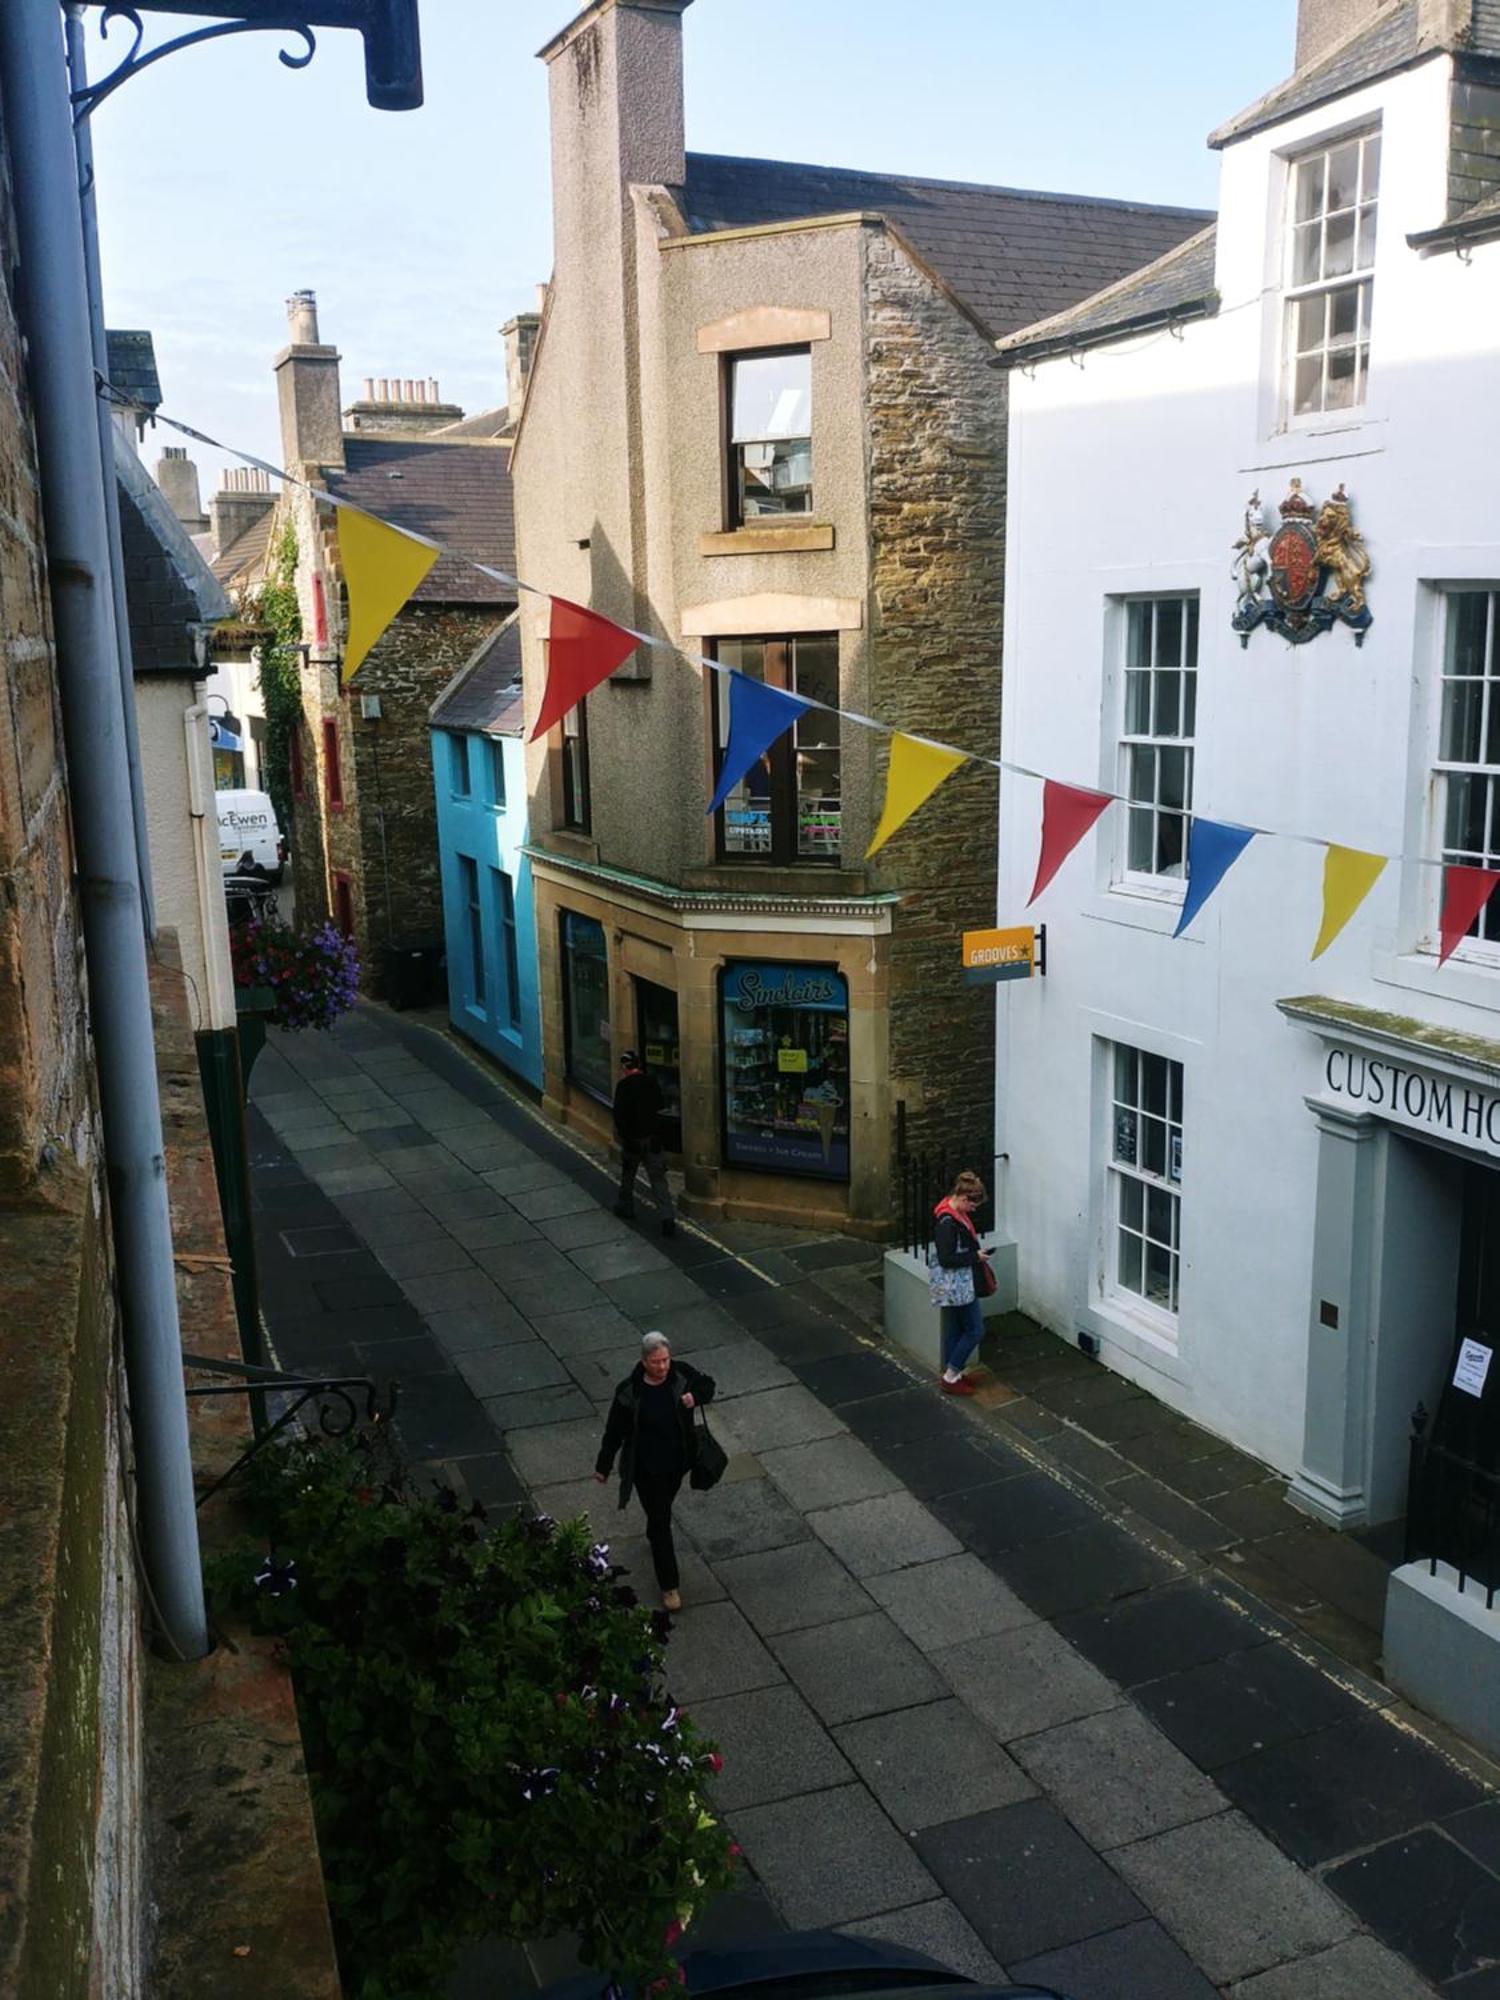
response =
{"points": [[926, 1174], [334, 1397], [1453, 1512]]}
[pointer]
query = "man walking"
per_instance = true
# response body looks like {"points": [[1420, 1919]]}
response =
{"points": [[637, 1110]]}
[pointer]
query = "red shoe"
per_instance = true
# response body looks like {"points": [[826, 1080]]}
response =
{"points": [[962, 1387]]}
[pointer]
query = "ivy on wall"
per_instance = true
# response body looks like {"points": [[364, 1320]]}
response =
{"points": [[275, 610]]}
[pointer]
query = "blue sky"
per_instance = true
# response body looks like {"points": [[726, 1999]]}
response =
{"points": [[228, 182]]}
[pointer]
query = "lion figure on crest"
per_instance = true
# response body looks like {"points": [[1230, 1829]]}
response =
{"points": [[1342, 552]]}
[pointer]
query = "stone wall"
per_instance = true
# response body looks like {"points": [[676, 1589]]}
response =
{"points": [[1473, 147], [937, 555], [70, 1895]]}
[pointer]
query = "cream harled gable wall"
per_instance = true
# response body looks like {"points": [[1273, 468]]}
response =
{"points": [[1130, 469]]}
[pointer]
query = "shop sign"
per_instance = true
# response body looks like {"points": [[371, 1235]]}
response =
{"points": [[990, 956], [1417, 1098], [1473, 1367], [750, 986]]}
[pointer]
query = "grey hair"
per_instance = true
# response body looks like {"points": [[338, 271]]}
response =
{"points": [[651, 1341]]}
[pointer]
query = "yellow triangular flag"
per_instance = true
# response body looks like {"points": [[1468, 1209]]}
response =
{"points": [[382, 567], [1348, 877], [915, 772]]}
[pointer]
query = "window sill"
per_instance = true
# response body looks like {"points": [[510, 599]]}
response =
{"points": [[1150, 1338], [569, 843], [803, 538], [762, 878], [1141, 908], [1474, 981]]}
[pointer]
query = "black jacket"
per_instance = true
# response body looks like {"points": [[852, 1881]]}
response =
{"points": [[637, 1110], [619, 1431], [957, 1248]]}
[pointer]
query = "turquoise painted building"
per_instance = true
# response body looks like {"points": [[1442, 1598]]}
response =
{"points": [[478, 768]]}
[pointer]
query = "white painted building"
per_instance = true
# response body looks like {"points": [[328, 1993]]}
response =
{"points": [[1267, 1187]]}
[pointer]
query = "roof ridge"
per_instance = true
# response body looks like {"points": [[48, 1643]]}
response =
{"points": [[963, 187]]}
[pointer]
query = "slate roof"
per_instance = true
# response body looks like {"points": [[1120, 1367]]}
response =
{"points": [[1178, 286], [169, 589], [132, 367], [485, 693], [456, 494], [1011, 255], [246, 551], [483, 424], [1475, 225], [1389, 42]]}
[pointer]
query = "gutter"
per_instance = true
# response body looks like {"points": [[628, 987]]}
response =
{"points": [[1456, 236], [1026, 354]]}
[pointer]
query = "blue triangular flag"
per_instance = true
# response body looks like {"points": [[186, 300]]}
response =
{"points": [[757, 716], [1213, 849]]}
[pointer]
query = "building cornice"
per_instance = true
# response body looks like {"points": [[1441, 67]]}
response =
{"points": [[717, 909], [1374, 1029]]}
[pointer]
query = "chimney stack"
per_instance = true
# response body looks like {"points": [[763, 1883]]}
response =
{"points": [[401, 406], [520, 336], [307, 390], [245, 497], [1323, 23], [177, 476]]}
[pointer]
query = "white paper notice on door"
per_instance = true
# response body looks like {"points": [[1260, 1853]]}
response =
{"points": [[1473, 1367]]}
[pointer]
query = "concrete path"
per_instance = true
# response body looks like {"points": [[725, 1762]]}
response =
{"points": [[959, 1704]]}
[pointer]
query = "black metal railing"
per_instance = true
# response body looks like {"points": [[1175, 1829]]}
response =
{"points": [[1453, 1512], [925, 1174], [337, 1399]]}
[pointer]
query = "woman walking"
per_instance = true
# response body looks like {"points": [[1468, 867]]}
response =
{"points": [[651, 1430], [956, 1273]]}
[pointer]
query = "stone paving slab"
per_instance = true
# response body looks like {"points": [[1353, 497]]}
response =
{"points": [[1025, 1880], [857, 1667], [1358, 1969], [556, 1198], [577, 1332], [1227, 1709], [490, 1232], [832, 1472], [506, 1371], [582, 1227], [773, 1746], [780, 1417], [713, 1651], [1136, 1962], [1426, 1897], [601, 1261], [1026, 1680], [787, 1589], [740, 1517], [419, 1259], [930, 1764], [462, 1329], [939, 1605], [444, 1290], [1117, 1777], [567, 1291], [738, 1368], [1231, 1897], [831, 1857], [531, 1407], [889, 1532], [937, 1929], [559, 1451]]}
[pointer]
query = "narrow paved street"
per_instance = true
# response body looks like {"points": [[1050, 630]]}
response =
{"points": [[1140, 1784]]}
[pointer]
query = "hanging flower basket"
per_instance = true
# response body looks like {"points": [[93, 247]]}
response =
{"points": [[311, 977]]}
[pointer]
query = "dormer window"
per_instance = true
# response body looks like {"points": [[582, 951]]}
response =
{"points": [[770, 435], [1330, 275]]}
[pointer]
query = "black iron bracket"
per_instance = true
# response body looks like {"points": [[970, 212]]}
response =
{"points": [[336, 1397], [393, 55]]}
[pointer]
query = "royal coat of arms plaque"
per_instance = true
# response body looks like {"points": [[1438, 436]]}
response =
{"points": [[1307, 576]]}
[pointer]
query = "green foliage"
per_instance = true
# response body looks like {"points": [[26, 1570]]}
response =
{"points": [[275, 608], [491, 1749]]}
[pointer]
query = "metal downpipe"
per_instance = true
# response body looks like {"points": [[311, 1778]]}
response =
{"points": [[60, 368]]}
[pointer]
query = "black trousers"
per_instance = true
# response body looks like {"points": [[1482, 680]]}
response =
{"points": [[656, 1491]]}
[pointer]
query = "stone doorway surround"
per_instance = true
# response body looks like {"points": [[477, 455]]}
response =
{"points": [[1401, 1103]]}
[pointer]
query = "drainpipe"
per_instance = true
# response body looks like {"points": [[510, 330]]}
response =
{"points": [[83, 146], [60, 367]]}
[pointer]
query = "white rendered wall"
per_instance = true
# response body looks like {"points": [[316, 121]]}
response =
{"points": [[1129, 472]]}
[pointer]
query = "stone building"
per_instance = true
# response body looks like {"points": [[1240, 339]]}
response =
{"points": [[761, 423], [364, 833]]}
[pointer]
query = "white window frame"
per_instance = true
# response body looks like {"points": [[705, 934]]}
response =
{"points": [[1126, 1171], [1151, 740], [1483, 950], [1359, 278]]}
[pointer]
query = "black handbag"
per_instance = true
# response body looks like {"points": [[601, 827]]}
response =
{"points": [[710, 1459]]}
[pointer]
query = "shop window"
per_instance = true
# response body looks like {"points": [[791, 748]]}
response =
{"points": [[659, 1042], [333, 772], [785, 1058], [1330, 275], [1156, 734], [460, 780], [587, 1045], [577, 806], [770, 435], [1145, 1173], [1469, 746], [468, 886], [788, 806], [505, 909]]}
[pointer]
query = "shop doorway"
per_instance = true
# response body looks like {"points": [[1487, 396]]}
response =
{"points": [[660, 1048]]}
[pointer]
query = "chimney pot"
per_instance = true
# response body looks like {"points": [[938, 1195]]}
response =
{"points": [[385, 390], [369, 388], [302, 316], [410, 390]]}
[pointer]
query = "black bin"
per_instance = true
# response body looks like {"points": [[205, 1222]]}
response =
{"points": [[416, 972]]}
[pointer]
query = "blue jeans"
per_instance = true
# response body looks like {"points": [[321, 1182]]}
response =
{"points": [[962, 1327]]}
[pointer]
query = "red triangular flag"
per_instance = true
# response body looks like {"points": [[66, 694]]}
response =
{"points": [[582, 650], [1465, 893], [1067, 814]]}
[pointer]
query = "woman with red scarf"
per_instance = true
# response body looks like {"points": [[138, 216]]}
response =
{"points": [[955, 1280]]}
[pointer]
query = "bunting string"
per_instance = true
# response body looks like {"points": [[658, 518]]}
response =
{"points": [[585, 648]]}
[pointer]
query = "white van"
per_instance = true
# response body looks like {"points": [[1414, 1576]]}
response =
{"points": [[248, 825]]}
